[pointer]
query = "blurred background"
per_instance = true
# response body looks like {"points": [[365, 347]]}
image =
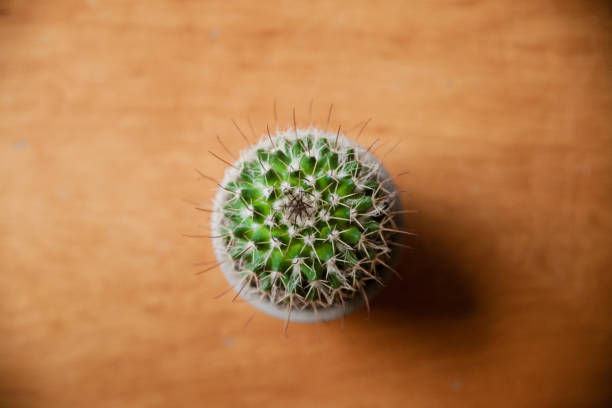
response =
{"points": [[503, 113]]}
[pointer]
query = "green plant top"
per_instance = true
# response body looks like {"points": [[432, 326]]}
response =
{"points": [[305, 218]]}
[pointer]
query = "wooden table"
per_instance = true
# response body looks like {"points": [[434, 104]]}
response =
{"points": [[503, 110]]}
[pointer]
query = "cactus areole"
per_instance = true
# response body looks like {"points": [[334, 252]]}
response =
{"points": [[302, 225]]}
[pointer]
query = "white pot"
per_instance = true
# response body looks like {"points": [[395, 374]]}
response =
{"points": [[306, 315]]}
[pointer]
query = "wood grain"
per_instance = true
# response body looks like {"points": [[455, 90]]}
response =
{"points": [[503, 110]]}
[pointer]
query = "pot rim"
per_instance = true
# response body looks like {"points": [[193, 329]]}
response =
{"points": [[307, 314]]}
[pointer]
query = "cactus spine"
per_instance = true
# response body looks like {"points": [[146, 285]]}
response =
{"points": [[305, 218]]}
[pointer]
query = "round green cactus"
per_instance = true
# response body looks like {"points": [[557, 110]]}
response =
{"points": [[305, 218]]}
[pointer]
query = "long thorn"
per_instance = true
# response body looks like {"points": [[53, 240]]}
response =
{"points": [[269, 136], [390, 150], [246, 282], [190, 202], [223, 160], [208, 269], [241, 133], [213, 180], [398, 231], [401, 245], [207, 177], [202, 236], [337, 134], [372, 145], [355, 126], [403, 212], [329, 113], [365, 298], [362, 128], [390, 268], [310, 113], [225, 147], [249, 320], [195, 236], [220, 295]]}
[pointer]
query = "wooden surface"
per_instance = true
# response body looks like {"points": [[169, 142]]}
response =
{"points": [[503, 110]]}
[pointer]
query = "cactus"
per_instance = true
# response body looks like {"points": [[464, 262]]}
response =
{"points": [[305, 218]]}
